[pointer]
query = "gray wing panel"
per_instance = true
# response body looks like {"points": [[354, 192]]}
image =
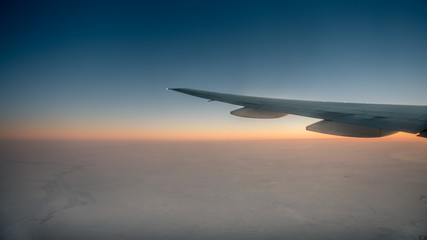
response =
{"points": [[405, 118]]}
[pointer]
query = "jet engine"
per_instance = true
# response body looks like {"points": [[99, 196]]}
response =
{"points": [[348, 130]]}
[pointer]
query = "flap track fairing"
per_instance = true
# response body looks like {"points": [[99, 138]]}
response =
{"points": [[256, 113]]}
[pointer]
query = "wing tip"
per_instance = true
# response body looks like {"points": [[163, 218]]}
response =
{"points": [[173, 89], [183, 90]]}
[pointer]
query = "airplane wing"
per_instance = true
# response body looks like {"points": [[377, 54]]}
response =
{"points": [[338, 118]]}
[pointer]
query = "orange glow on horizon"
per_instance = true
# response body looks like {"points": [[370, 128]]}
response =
{"points": [[171, 134]]}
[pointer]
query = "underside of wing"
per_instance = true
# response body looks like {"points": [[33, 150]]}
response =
{"points": [[343, 119]]}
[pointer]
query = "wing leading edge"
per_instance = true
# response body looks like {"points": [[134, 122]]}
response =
{"points": [[344, 119]]}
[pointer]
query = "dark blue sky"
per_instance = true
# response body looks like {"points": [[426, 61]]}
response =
{"points": [[68, 62]]}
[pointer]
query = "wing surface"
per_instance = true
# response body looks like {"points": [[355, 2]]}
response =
{"points": [[404, 118]]}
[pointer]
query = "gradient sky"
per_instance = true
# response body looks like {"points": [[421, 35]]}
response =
{"points": [[99, 69]]}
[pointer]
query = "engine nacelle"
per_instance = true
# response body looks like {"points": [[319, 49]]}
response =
{"points": [[348, 130], [423, 133], [256, 113]]}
